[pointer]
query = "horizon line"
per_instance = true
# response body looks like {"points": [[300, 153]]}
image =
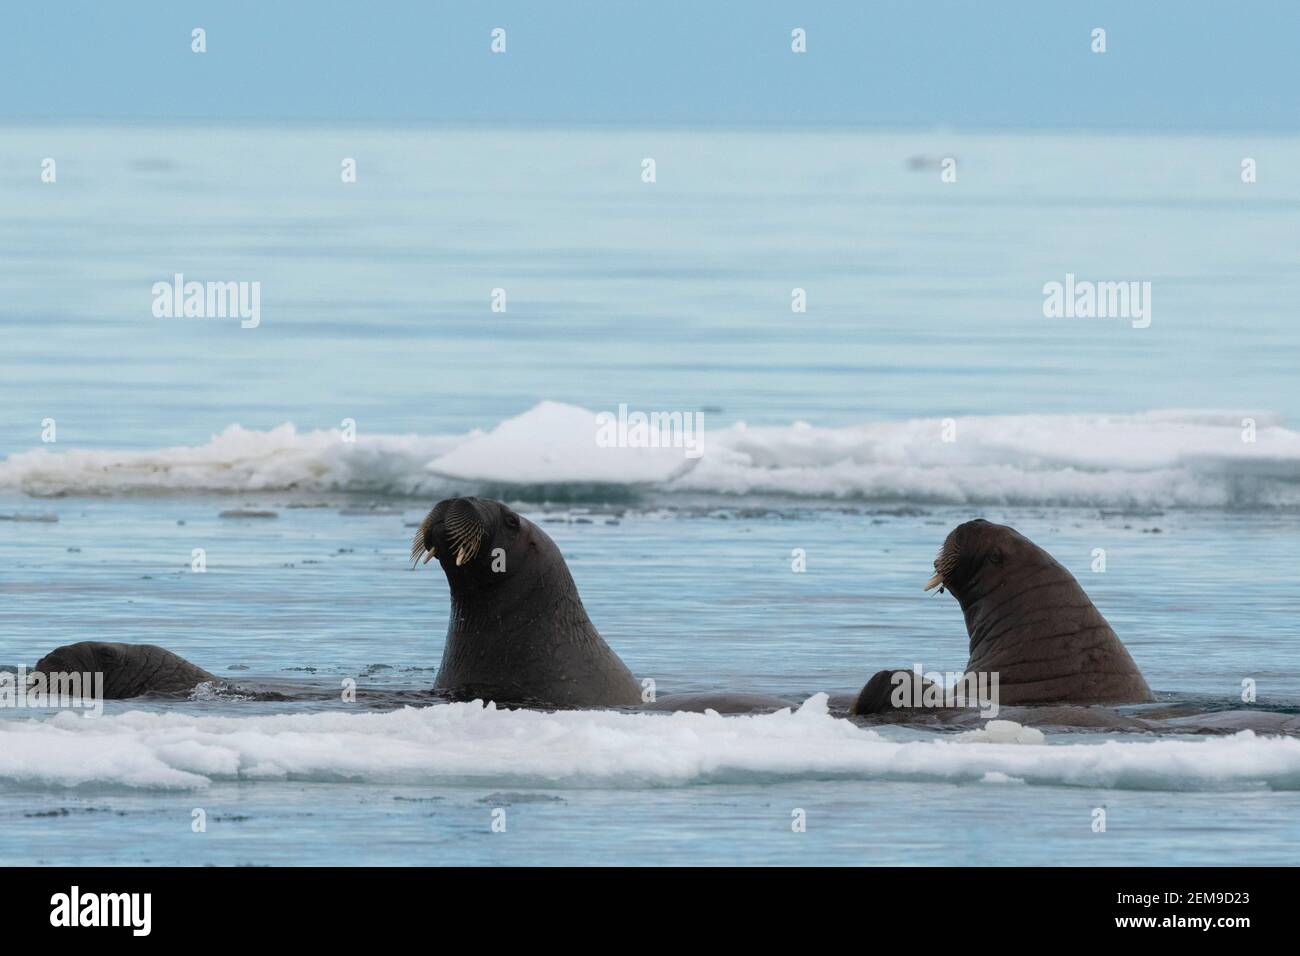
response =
{"points": [[592, 125]]}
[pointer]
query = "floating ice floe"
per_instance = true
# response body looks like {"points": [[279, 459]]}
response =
{"points": [[469, 744]]}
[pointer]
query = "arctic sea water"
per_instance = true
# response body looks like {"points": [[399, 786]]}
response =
{"points": [[823, 436]]}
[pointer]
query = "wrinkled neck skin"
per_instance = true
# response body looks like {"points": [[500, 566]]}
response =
{"points": [[1036, 628], [528, 640], [995, 607]]}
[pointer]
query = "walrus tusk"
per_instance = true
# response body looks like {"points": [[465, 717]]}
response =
{"points": [[934, 582], [430, 556], [461, 557]]}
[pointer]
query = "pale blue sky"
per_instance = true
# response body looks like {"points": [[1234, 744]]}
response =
{"points": [[1170, 64]]}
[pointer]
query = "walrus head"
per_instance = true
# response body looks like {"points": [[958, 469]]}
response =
{"points": [[86, 657], [1030, 621], [518, 632], [491, 556], [973, 555], [466, 535]]}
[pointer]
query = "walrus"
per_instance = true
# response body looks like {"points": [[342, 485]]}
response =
{"points": [[518, 633], [130, 670], [883, 693], [1030, 622]]}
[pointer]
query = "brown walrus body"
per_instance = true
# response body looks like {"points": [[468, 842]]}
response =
{"points": [[886, 691], [129, 670], [518, 633], [1031, 623]]}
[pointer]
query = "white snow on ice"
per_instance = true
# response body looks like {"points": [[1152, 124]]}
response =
{"points": [[469, 744]]}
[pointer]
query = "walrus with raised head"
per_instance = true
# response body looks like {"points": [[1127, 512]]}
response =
{"points": [[130, 670], [518, 633], [1031, 622]]}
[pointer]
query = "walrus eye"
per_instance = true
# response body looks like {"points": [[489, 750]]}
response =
{"points": [[995, 556], [512, 522]]}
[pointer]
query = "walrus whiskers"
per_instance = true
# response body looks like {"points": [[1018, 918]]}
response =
{"points": [[466, 535], [419, 549], [944, 563]]}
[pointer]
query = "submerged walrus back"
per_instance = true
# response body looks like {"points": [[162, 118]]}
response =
{"points": [[129, 670]]}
